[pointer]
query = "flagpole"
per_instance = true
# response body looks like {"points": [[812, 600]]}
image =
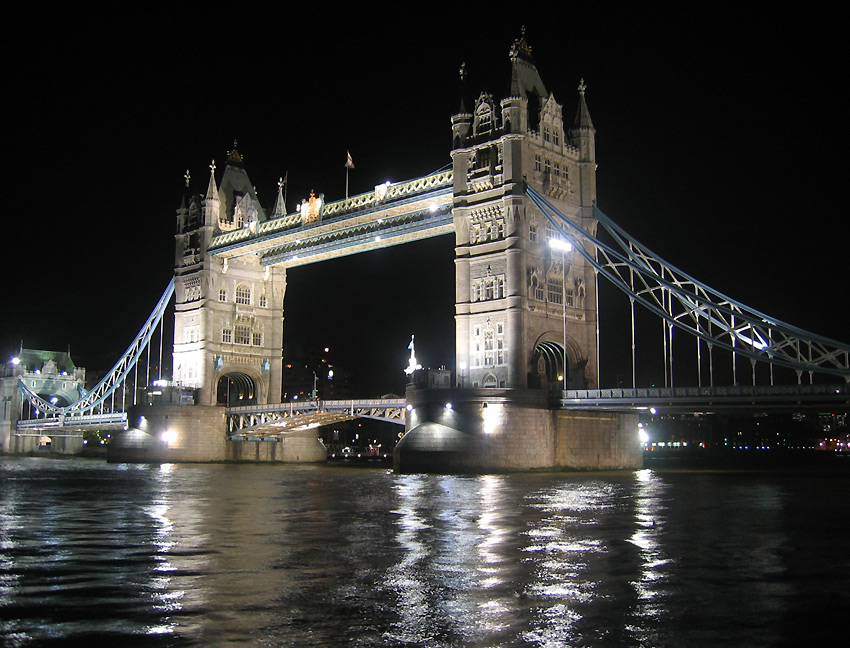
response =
{"points": [[349, 164]]}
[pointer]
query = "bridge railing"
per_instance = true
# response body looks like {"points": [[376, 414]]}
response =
{"points": [[112, 420], [720, 392], [280, 415]]}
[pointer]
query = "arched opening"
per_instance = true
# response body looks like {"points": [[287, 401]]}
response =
{"points": [[549, 359], [236, 389], [56, 399]]}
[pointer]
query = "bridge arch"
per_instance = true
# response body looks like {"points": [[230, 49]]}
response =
{"points": [[547, 364], [237, 388]]}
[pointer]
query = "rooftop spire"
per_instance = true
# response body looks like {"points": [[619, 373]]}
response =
{"points": [[280, 203], [583, 114], [525, 79], [212, 189]]}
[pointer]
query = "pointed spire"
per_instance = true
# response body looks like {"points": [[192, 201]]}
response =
{"points": [[211, 200], [212, 189], [280, 203], [184, 201], [462, 73], [583, 114], [525, 78]]}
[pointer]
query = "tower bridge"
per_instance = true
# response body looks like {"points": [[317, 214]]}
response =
{"points": [[530, 247]]}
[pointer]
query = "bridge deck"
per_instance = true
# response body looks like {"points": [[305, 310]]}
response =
{"points": [[391, 215]]}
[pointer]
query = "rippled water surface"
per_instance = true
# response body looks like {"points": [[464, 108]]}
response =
{"points": [[275, 555]]}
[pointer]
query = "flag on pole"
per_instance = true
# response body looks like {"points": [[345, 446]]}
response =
{"points": [[349, 163]]}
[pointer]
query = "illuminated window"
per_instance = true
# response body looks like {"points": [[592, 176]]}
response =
{"points": [[243, 294], [263, 301], [532, 232], [222, 294]]}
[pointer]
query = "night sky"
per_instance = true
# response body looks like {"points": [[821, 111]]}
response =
{"points": [[721, 144]]}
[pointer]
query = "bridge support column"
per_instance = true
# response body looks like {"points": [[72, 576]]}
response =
{"points": [[503, 430]]}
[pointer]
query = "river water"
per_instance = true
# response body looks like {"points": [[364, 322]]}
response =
{"points": [[280, 555]]}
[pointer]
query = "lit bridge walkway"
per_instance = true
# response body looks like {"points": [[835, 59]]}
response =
{"points": [[714, 398], [270, 421], [72, 425], [391, 215]]}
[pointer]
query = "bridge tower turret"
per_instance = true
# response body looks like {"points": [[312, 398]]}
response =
{"points": [[518, 299], [228, 324]]}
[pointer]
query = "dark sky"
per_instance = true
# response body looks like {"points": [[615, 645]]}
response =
{"points": [[721, 142]]}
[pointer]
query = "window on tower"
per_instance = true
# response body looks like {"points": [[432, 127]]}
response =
{"points": [[243, 335], [243, 294]]}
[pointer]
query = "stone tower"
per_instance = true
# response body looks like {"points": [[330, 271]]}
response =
{"points": [[228, 322], [511, 284]]}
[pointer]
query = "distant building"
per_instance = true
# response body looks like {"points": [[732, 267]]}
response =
{"points": [[50, 374]]}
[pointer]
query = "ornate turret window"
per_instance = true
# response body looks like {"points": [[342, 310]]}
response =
{"points": [[485, 115]]}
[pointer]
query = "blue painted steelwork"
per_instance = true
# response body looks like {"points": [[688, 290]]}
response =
{"points": [[705, 313]]}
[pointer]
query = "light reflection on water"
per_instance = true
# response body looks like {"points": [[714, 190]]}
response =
{"points": [[272, 555]]}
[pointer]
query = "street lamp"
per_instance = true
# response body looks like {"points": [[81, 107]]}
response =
{"points": [[563, 247]]}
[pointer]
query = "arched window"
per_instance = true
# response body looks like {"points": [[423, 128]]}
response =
{"points": [[243, 294]]}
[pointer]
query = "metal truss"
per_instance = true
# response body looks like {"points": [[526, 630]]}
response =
{"points": [[275, 420], [114, 379], [690, 305]]}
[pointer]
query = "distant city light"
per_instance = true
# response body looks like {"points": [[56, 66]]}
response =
{"points": [[16, 361]]}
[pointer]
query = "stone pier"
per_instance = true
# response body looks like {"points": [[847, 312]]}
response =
{"points": [[197, 434], [503, 430]]}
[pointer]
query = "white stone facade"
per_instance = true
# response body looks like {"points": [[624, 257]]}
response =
{"points": [[510, 284]]}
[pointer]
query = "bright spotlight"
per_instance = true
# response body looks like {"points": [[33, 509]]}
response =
{"points": [[558, 244]]}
